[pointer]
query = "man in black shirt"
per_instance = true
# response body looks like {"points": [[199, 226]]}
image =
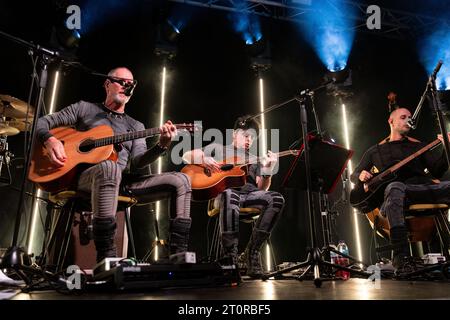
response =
{"points": [[416, 180], [253, 194]]}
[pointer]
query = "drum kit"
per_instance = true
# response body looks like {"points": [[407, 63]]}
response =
{"points": [[15, 116]]}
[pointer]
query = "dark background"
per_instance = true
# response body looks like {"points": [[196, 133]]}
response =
{"points": [[211, 80]]}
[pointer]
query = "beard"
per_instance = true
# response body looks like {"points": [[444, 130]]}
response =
{"points": [[117, 98], [404, 131]]}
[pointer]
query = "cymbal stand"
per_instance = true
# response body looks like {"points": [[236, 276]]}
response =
{"points": [[5, 158]]}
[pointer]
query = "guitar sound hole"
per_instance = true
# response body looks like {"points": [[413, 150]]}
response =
{"points": [[86, 145], [226, 167]]}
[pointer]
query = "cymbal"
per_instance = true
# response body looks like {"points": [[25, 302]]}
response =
{"points": [[19, 124], [14, 108], [6, 130]]}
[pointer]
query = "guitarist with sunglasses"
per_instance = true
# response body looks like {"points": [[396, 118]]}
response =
{"points": [[413, 182], [253, 194], [103, 180]]}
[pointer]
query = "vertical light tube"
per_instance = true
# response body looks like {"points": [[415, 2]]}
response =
{"points": [[39, 193], [161, 122], [350, 169], [263, 118], [263, 149]]}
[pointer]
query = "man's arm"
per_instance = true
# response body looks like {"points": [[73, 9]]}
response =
{"points": [[265, 171], [66, 117], [263, 182], [141, 157], [436, 163], [361, 172], [204, 157]]}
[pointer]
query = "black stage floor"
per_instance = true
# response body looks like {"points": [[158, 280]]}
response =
{"points": [[352, 289]]}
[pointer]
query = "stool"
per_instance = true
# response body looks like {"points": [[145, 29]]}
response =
{"points": [[246, 215], [64, 205], [422, 220]]}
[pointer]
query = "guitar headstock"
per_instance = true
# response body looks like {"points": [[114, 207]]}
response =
{"points": [[189, 127]]}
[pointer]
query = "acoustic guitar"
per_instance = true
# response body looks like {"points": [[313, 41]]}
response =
{"points": [[207, 185], [81, 147], [369, 195]]}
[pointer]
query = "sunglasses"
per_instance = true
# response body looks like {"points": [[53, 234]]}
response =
{"points": [[124, 82]]}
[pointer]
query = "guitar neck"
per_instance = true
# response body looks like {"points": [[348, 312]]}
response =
{"points": [[129, 136], [279, 154], [411, 157]]}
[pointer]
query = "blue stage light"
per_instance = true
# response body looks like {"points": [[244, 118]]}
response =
{"points": [[330, 32]]}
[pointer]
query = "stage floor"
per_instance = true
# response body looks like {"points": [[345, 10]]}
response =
{"points": [[352, 289]]}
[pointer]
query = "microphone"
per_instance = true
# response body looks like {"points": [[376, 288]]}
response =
{"points": [[436, 70], [129, 88], [243, 121]]}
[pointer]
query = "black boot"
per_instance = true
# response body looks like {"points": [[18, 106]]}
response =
{"points": [[399, 239], [104, 230], [179, 234], [230, 240], [253, 253]]}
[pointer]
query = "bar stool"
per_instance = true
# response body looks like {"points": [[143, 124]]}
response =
{"points": [[422, 221], [246, 215], [61, 218]]}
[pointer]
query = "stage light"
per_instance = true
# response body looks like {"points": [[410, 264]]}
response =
{"points": [[342, 76], [65, 41], [69, 39], [246, 25], [161, 122], [260, 56], [433, 48], [339, 83], [167, 38], [263, 151], [349, 170], [329, 31]]}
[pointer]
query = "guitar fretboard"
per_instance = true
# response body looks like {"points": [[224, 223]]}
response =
{"points": [[279, 154], [132, 136], [126, 137], [400, 164]]}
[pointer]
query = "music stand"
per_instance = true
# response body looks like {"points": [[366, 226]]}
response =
{"points": [[322, 167]]}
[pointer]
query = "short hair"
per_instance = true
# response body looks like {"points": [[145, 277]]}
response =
{"points": [[245, 123], [112, 71]]}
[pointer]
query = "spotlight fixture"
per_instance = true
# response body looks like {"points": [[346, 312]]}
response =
{"points": [[339, 83], [342, 76], [167, 38], [64, 40], [259, 52]]}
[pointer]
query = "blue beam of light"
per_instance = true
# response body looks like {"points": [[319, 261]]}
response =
{"points": [[433, 48], [180, 17], [246, 24], [330, 31], [176, 26]]}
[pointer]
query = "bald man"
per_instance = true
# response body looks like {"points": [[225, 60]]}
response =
{"points": [[103, 180], [414, 183]]}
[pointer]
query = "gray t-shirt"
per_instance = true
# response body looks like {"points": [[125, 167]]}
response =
{"points": [[221, 153], [84, 115]]}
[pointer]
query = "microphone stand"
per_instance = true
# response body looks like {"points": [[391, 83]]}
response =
{"points": [[306, 92], [431, 92], [314, 259], [15, 256]]}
